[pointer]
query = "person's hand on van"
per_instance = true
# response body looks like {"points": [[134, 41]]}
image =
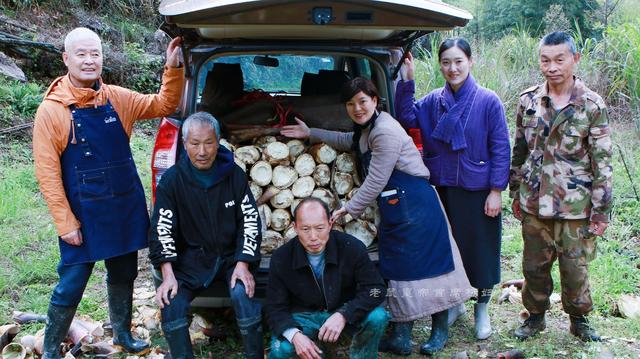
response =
{"points": [[408, 69], [301, 130], [174, 52]]}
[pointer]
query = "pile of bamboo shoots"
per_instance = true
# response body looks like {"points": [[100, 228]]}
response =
{"points": [[282, 172], [86, 337]]}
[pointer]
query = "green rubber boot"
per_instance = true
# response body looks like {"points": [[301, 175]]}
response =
{"points": [[120, 301], [58, 322], [439, 333], [398, 341]]}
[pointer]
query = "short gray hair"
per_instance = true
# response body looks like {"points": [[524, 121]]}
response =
{"points": [[201, 118], [80, 33], [558, 38]]}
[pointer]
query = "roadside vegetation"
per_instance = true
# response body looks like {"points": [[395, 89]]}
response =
{"points": [[610, 65]]}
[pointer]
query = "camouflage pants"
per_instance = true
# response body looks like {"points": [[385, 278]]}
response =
{"points": [[571, 243]]}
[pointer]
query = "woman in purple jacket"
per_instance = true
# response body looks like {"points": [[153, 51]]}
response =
{"points": [[466, 148]]}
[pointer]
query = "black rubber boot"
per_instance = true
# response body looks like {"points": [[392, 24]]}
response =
{"points": [[398, 341], [580, 328], [532, 326], [178, 339], [439, 333], [252, 338], [120, 300], [58, 322]]}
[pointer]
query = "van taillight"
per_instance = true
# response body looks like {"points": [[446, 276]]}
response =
{"points": [[416, 135], [164, 152]]}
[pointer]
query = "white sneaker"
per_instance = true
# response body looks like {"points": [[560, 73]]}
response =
{"points": [[483, 323], [456, 312]]}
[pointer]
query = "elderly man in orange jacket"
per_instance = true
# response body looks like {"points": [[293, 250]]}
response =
{"points": [[90, 182]]}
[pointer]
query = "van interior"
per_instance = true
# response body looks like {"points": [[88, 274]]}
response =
{"points": [[270, 89]]}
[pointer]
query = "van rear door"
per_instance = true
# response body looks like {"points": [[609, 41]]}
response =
{"points": [[389, 22]]}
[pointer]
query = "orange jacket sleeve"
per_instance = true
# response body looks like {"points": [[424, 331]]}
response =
{"points": [[51, 134], [49, 141], [132, 106]]}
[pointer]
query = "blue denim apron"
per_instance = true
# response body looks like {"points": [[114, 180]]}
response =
{"points": [[413, 237], [103, 188]]}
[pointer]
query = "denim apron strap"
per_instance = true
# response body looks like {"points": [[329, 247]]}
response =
{"points": [[103, 188]]}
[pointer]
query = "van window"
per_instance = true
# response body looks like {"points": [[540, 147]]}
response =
{"points": [[365, 68], [286, 77]]}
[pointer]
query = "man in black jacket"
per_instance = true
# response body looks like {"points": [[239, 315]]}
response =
{"points": [[205, 227], [322, 284]]}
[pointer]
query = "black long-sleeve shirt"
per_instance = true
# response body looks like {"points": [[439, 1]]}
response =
{"points": [[196, 227]]}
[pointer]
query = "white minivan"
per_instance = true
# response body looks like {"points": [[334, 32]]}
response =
{"points": [[256, 62]]}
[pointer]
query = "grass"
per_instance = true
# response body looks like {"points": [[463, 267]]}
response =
{"points": [[30, 250], [27, 268], [29, 256], [625, 62], [628, 11]]}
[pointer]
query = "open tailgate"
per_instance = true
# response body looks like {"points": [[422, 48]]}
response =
{"points": [[371, 21]]}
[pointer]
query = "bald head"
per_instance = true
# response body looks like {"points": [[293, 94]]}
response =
{"points": [[80, 33], [83, 57]]}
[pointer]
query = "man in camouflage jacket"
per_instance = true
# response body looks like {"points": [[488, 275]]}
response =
{"points": [[561, 185]]}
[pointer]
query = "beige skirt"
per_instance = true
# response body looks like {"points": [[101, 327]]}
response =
{"points": [[416, 299]]}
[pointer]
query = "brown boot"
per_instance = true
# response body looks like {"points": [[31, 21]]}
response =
{"points": [[532, 326], [580, 328]]}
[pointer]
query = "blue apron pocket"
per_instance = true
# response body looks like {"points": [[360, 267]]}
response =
{"points": [[124, 177], [393, 207], [94, 184]]}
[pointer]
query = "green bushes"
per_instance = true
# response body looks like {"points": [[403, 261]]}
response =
{"points": [[18, 101], [142, 71], [624, 61], [141, 11]]}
